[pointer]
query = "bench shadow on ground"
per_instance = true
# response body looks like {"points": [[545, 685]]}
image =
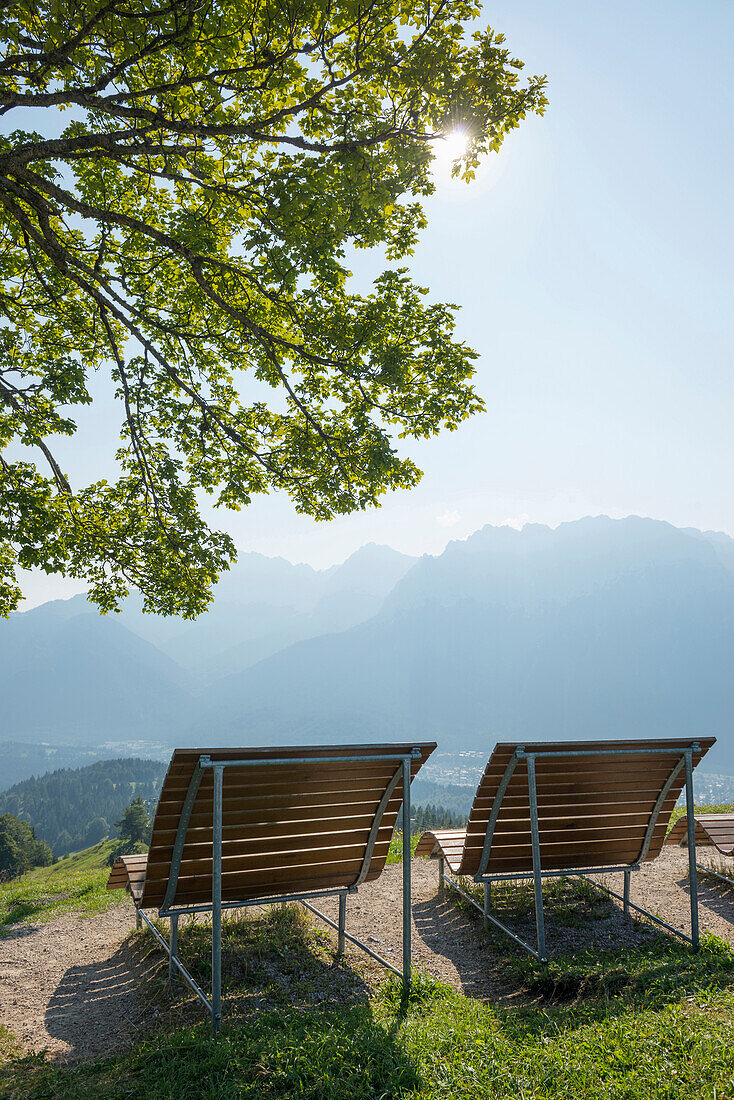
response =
{"points": [[279, 963], [714, 894], [488, 962], [96, 1008], [600, 961], [291, 1008], [450, 930]]}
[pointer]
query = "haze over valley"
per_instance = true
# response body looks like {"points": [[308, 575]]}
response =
{"points": [[598, 628]]}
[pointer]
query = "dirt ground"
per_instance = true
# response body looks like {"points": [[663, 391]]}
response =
{"points": [[72, 986]]}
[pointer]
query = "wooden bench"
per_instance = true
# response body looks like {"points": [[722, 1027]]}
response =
{"points": [[553, 809], [239, 827], [711, 829]]}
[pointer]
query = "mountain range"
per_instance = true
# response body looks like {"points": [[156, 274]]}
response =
{"points": [[599, 627]]}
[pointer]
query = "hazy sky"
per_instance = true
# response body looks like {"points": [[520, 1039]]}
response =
{"points": [[592, 260]]}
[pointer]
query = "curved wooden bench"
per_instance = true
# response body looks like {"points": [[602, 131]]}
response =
{"points": [[238, 827], [711, 829], [574, 807]]}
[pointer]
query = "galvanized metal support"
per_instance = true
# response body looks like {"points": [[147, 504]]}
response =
{"points": [[173, 948], [569, 874], [352, 939], [342, 923], [692, 868], [664, 791], [275, 899], [517, 755], [180, 839], [632, 905], [441, 873], [217, 902], [493, 920], [407, 915], [487, 899], [138, 920], [377, 821], [179, 966], [717, 874], [537, 877], [626, 899]]}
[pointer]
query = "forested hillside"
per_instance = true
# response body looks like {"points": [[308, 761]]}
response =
{"points": [[75, 808]]}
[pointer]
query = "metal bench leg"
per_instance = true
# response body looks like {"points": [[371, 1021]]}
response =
{"points": [[441, 875], [173, 948], [534, 833], [342, 923], [627, 876], [487, 900], [406, 877], [692, 868], [217, 902], [138, 920]]}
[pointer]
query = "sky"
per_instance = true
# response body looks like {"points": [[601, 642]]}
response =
{"points": [[592, 262]]}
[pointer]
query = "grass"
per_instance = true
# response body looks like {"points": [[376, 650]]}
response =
{"points": [[74, 884], [9, 1046], [572, 901], [395, 851]]}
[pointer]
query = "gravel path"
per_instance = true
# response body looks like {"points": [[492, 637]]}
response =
{"points": [[71, 986]]}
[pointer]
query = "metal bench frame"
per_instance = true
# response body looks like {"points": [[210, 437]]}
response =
{"points": [[172, 911], [537, 874]]}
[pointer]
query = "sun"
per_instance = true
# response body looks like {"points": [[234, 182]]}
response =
{"points": [[447, 150]]}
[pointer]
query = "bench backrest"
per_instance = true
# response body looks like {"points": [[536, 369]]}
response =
{"points": [[286, 827], [593, 810]]}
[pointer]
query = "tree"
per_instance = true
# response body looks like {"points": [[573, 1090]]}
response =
{"points": [[63, 843], [20, 848], [134, 825], [95, 831], [182, 217]]}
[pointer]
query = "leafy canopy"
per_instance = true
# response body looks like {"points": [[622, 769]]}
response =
{"points": [[182, 218]]}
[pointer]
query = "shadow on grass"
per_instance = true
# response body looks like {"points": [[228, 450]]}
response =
{"points": [[270, 957], [602, 964], [309, 1053], [604, 984], [297, 1022], [18, 911]]}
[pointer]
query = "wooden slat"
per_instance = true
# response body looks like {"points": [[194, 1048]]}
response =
{"points": [[265, 829], [258, 888], [303, 858], [254, 781], [327, 793], [239, 809], [616, 851], [271, 852], [276, 841], [261, 752]]}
